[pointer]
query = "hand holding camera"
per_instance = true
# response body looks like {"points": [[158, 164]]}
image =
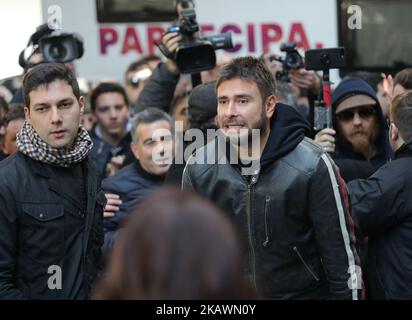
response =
{"points": [[273, 64], [326, 138], [291, 68], [192, 53], [324, 60], [292, 61], [169, 44], [305, 79]]}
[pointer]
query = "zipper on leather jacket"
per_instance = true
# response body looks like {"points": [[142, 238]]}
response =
{"points": [[265, 243], [250, 236], [305, 264]]}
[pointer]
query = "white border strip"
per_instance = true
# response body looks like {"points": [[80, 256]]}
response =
{"points": [[345, 234]]}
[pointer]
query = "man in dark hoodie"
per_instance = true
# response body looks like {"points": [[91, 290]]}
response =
{"points": [[358, 141], [288, 201]]}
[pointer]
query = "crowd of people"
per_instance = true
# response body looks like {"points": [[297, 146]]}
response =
{"points": [[94, 204]]}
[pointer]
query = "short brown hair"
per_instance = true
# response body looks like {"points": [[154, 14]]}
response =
{"points": [[107, 87], [250, 69], [404, 78], [401, 114]]}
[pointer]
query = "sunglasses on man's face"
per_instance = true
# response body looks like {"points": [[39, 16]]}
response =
{"points": [[364, 113], [138, 77]]}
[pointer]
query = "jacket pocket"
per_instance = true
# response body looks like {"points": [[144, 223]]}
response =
{"points": [[43, 212], [42, 232], [308, 269]]}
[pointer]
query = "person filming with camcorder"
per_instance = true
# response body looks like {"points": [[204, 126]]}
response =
{"points": [[186, 52], [291, 67], [48, 45], [289, 70], [191, 52]]}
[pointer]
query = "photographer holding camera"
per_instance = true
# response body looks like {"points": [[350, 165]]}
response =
{"points": [[291, 70], [160, 87], [48, 45], [186, 52]]}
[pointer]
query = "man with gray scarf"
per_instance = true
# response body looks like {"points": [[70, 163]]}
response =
{"points": [[50, 204]]}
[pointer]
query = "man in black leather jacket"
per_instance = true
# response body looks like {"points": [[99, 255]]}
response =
{"points": [[50, 205], [382, 205], [288, 201]]}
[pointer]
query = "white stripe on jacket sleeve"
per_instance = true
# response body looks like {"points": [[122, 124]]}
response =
{"points": [[345, 234]]}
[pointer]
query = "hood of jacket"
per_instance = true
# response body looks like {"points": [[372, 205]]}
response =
{"points": [[348, 88], [287, 129]]}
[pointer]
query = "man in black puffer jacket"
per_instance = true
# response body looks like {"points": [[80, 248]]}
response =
{"points": [[288, 201], [383, 206]]}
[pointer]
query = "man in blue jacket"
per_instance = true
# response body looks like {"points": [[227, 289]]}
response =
{"points": [[152, 144]]}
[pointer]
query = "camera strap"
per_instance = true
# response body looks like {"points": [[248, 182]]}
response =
{"points": [[163, 49]]}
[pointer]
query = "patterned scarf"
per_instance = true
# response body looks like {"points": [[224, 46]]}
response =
{"points": [[29, 143]]}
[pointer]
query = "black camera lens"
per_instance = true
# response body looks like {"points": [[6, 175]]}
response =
{"points": [[293, 61], [58, 51], [221, 41], [62, 47], [196, 57]]}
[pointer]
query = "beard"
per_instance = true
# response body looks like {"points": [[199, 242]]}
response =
{"points": [[246, 134], [364, 142], [257, 125], [361, 143], [248, 139]]}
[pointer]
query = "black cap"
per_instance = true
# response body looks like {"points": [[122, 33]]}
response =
{"points": [[203, 102]]}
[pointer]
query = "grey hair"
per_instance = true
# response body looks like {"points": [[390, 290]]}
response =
{"points": [[149, 115]]}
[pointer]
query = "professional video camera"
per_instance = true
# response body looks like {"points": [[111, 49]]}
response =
{"points": [[292, 60], [195, 54], [54, 45]]}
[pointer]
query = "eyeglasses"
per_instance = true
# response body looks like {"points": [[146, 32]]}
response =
{"points": [[139, 76], [364, 113]]}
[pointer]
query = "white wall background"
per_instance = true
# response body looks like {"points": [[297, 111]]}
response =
{"points": [[18, 20]]}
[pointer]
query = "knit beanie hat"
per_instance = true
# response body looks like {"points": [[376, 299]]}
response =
{"points": [[203, 102]]}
